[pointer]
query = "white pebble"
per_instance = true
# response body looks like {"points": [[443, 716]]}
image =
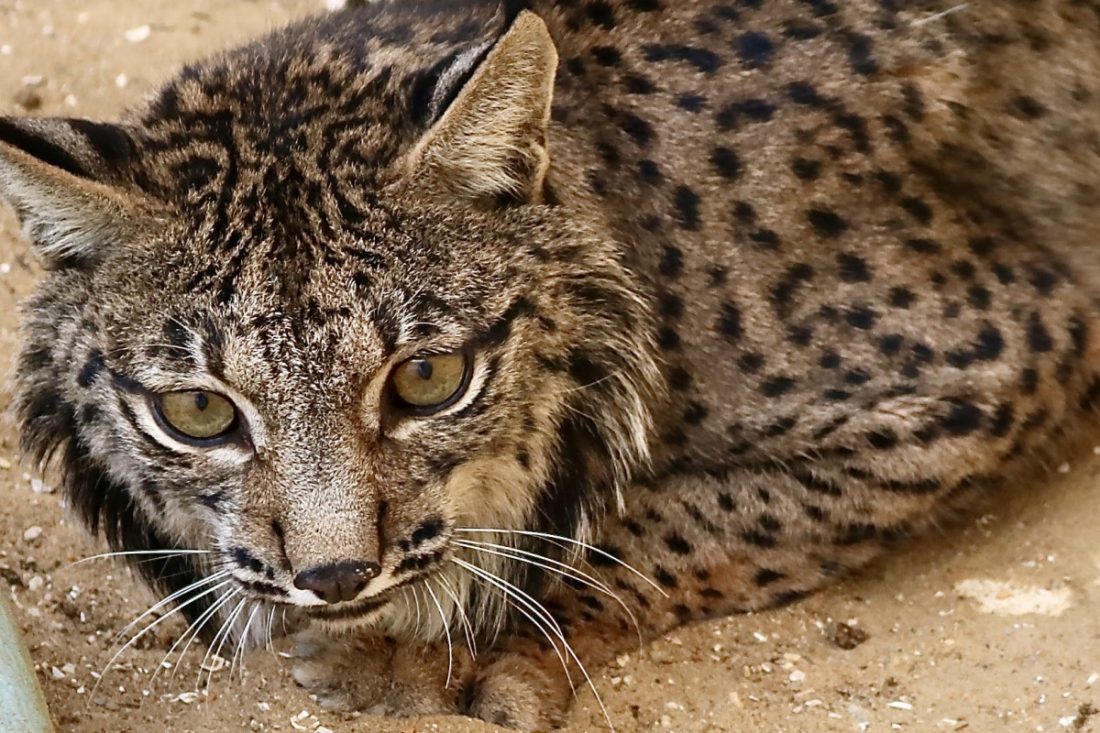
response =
{"points": [[335, 4], [1093, 678], [33, 80], [36, 583], [32, 533], [6, 50], [121, 81], [797, 676], [68, 668], [899, 705], [139, 34], [56, 673]]}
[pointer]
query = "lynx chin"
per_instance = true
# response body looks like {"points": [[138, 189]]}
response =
{"points": [[481, 338]]}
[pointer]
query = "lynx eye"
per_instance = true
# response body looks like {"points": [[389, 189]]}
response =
{"points": [[196, 415], [431, 382]]}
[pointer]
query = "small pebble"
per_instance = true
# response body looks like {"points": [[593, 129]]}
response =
{"points": [[32, 533], [121, 81], [33, 80], [845, 636], [139, 34], [36, 583], [28, 99]]}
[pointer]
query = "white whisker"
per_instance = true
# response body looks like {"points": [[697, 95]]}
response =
{"points": [[538, 625], [201, 617], [416, 602], [205, 618], [270, 645], [571, 541], [152, 626], [557, 567], [219, 642], [162, 553], [165, 601], [239, 651], [467, 628], [447, 631], [543, 620], [568, 648]]}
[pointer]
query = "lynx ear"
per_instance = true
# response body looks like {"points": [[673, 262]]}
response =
{"points": [[490, 143], [58, 176]]}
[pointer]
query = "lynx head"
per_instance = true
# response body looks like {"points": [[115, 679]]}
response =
{"points": [[320, 306]]}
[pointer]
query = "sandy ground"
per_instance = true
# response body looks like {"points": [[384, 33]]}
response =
{"points": [[993, 626]]}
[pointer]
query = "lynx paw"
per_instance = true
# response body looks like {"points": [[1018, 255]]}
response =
{"points": [[516, 692], [377, 676]]}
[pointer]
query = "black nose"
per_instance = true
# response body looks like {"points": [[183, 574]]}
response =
{"points": [[338, 582]]}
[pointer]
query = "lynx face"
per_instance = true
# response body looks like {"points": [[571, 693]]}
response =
{"points": [[319, 342]]}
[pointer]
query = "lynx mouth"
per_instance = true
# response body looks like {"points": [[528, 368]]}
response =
{"points": [[346, 612]]}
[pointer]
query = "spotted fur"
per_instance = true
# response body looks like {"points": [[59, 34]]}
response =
{"points": [[755, 290]]}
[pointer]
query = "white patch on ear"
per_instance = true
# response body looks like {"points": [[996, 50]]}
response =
{"points": [[491, 142], [460, 67], [66, 218]]}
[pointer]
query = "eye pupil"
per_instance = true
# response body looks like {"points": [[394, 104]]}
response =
{"points": [[201, 400], [424, 369]]}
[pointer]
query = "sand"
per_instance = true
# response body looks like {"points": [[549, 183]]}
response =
{"points": [[987, 627]]}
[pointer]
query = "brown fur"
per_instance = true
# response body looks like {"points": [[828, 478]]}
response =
{"points": [[753, 290]]}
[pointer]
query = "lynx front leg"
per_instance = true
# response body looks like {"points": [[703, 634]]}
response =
{"points": [[707, 546], [379, 675]]}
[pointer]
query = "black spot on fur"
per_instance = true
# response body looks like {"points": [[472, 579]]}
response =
{"points": [[726, 162], [755, 50], [91, 369], [826, 223]]}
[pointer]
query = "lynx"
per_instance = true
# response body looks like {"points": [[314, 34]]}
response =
{"points": [[528, 328]]}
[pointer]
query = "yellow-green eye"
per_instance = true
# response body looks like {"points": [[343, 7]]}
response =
{"points": [[430, 382], [198, 415]]}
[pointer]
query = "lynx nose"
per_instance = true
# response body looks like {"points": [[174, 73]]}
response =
{"points": [[337, 582]]}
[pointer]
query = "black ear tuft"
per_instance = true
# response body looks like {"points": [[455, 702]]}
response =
{"points": [[512, 9], [96, 151], [437, 87], [63, 178], [40, 147], [491, 111]]}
